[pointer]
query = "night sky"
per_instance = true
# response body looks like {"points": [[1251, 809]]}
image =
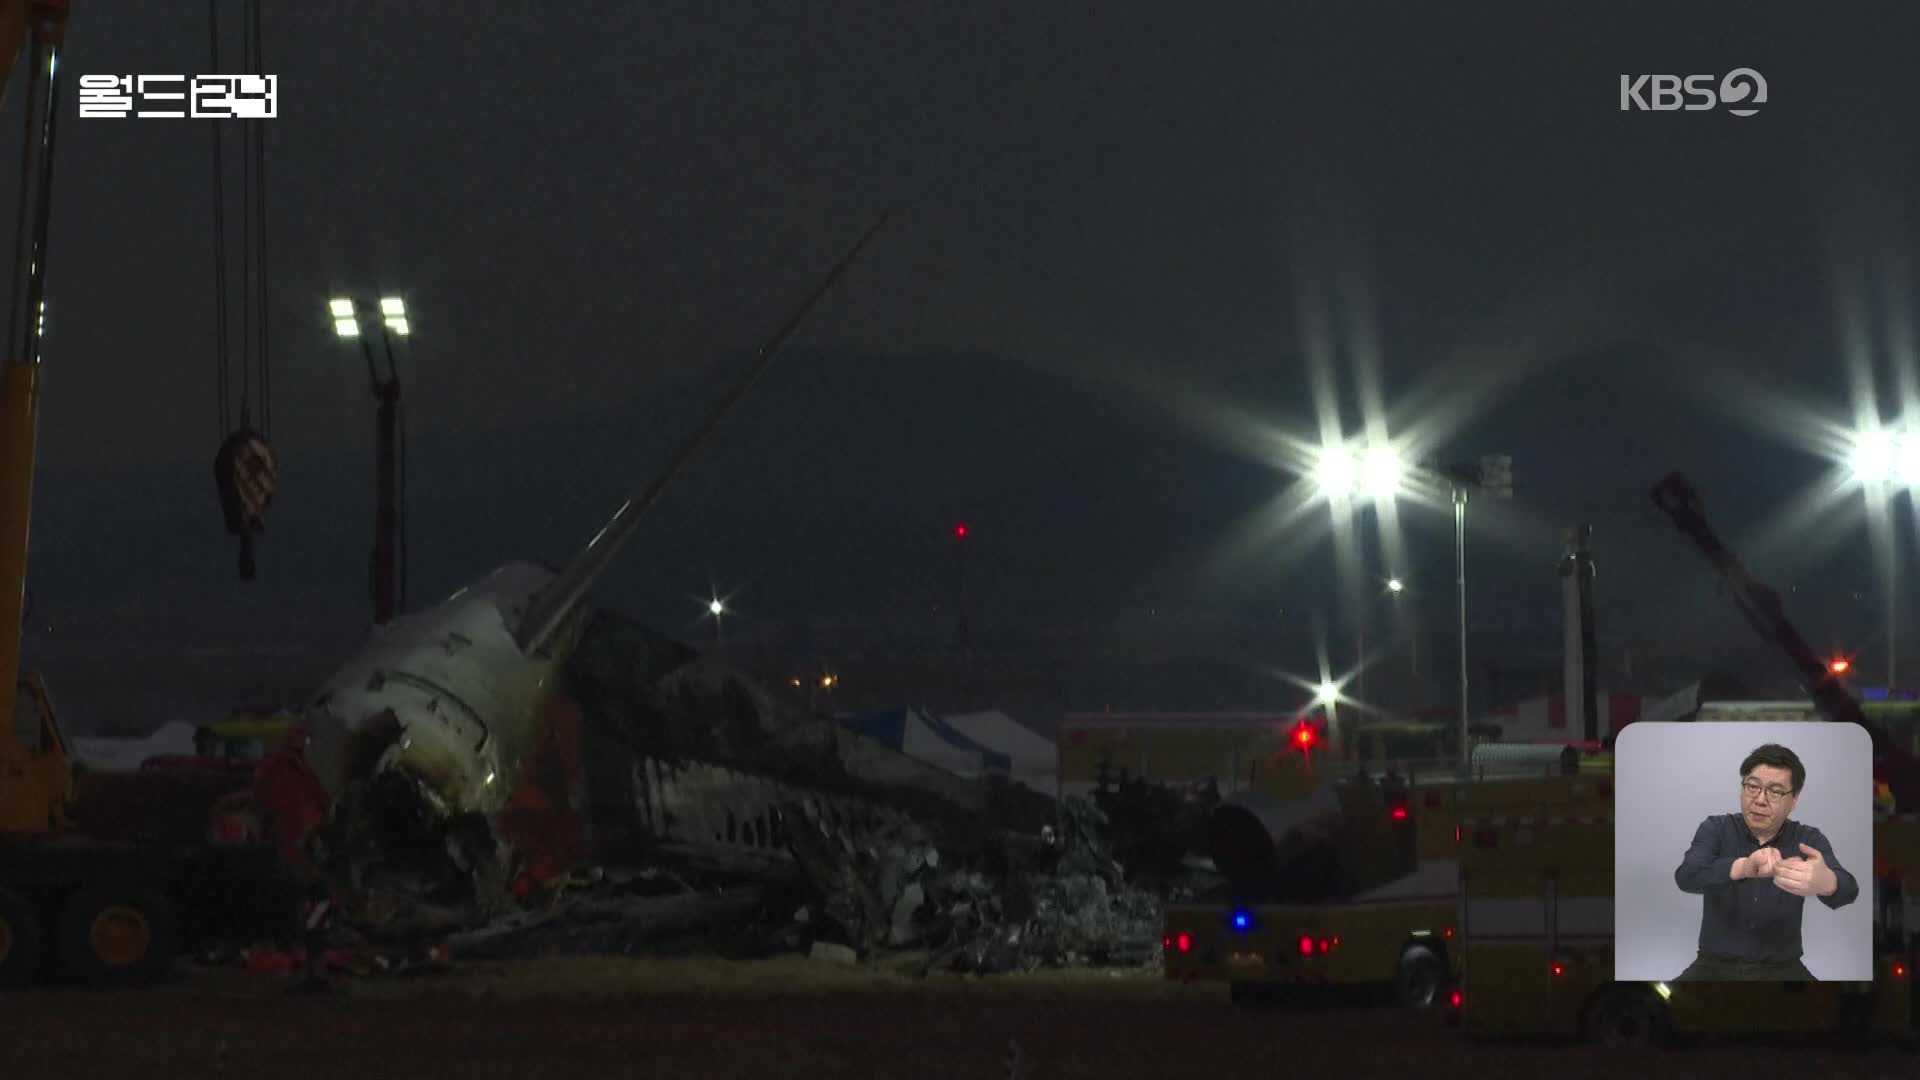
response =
{"points": [[1128, 243]]}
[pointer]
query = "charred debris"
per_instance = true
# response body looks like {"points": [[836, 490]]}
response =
{"points": [[514, 768], [671, 805]]}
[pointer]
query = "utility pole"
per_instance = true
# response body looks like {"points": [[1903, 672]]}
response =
{"points": [[1580, 687], [1460, 583], [1494, 475]]}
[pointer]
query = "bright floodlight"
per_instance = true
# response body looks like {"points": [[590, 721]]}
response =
{"points": [[1380, 471], [1374, 473], [342, 309], [1875, 458], [392, 307], [397, 324], [1395, 585], [716, 607], [346, 327], [1335, 473], [1326, 693]]}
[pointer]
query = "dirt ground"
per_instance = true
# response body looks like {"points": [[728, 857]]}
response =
{"points": [[781, 1019]]}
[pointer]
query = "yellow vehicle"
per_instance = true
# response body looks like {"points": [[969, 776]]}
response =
{"points": [[1361, 891], [93, 910], [245, 735], [1535, 929], [1536, 918]]}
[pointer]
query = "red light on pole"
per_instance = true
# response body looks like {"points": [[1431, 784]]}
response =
{"points": [[1839, 665], [960, 531]]}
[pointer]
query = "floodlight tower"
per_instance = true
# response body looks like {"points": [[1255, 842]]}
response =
{"points": [[388, 569]]}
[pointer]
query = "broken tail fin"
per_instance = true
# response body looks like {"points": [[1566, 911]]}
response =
{"points": [[558, 602]]}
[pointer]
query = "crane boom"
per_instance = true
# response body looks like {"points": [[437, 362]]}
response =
{"points": [[34, 29], [1893, 764]]}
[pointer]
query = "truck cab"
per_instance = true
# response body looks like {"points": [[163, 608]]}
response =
{"points": [[36, 771]]}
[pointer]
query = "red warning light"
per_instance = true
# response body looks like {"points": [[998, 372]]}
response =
{"points": [[1558, 970], [1455, 1000], [1399, 813], [960, 531], [1305, 737], [1306, 946], [1323, 945], [1448, 933], [1899, 971], [1186, 943], [1839, 665]]}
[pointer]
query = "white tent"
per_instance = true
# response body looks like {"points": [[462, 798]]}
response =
{"points": [[1032, 759], [126, 755], [919, 734]]}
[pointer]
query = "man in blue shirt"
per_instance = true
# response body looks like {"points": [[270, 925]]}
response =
{"points": [[1753, 872]]}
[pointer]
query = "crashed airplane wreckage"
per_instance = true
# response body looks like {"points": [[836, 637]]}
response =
{"points": [[510, 734]]}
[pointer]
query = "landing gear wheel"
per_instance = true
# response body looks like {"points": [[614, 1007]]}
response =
{"points": [[1421, 978], [19, 941], [118, 935], [1625, 1016]]}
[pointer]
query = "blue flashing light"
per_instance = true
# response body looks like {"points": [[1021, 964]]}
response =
{"points": [[1242, 920]]}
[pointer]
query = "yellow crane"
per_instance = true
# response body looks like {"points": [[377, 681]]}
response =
{"points": [[91, 909]]}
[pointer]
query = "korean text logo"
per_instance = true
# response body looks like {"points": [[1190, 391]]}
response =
{"points": [[180, 97], [1738, 91]]}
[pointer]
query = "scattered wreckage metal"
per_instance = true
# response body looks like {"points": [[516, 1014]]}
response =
{"points": [[877, 890], [451, 773]]}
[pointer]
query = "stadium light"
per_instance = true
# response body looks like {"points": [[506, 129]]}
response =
{"points": [[1375, 472], [346, 322]]}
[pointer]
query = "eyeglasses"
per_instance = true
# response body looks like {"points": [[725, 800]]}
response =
{"points": [[1753, 788]]}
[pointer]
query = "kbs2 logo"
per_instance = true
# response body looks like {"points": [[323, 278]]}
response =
{"points": [[1739, 90]]}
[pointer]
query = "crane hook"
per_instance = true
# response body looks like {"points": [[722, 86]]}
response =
{"points": [[246, 474]]}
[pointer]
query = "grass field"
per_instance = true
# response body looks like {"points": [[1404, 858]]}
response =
{"points": [[781, 1019]]}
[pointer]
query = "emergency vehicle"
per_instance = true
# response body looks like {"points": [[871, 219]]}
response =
{"points": [[1369, 883], [1535, 923], [1341, 878], [1536, 936]]}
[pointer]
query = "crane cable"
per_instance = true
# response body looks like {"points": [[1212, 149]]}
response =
{"points": [[245, 471], [221, 367], [256, 191]]}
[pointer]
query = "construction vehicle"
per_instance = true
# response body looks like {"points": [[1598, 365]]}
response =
{"points": [[1536, 915], [1342, 880], [95, 910], [1354, 883]]}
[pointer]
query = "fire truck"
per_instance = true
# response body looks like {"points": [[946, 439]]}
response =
{"points": [[1351, 881], [1535, 922], [1344, 878]]}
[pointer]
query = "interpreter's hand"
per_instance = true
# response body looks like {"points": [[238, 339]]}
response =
{"points": [[1808, 875], [1764, 862]]}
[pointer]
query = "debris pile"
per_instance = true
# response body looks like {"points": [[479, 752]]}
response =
{"points": [[1067, 903], [878, 892], [743, 825]]}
